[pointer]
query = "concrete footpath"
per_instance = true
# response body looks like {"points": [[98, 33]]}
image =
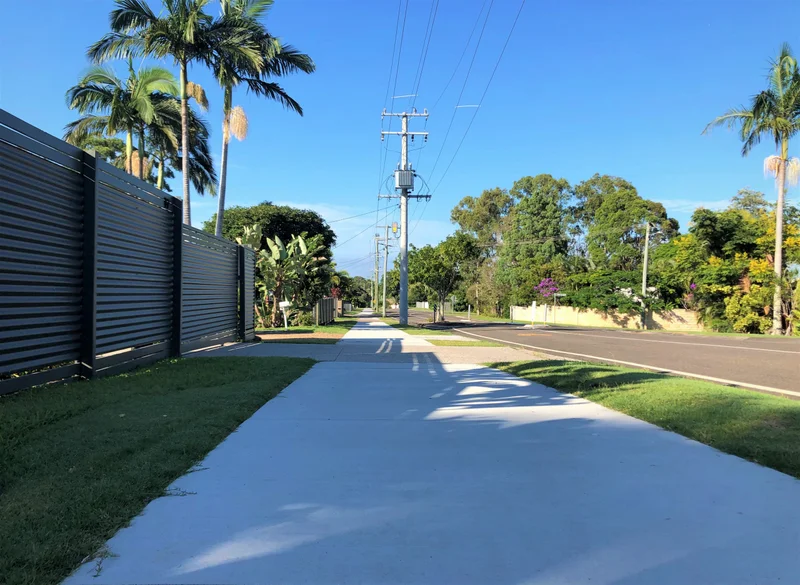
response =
{"points": [[390, 471]]}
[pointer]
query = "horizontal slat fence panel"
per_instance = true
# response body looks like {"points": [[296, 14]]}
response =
{"points": [[97, 273], [41, 248], [136, 218], [247, 302], [210, 289]]}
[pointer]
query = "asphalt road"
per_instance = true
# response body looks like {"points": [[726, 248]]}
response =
{"points": [[771, 364]]}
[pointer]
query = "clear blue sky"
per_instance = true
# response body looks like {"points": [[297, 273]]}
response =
{"points": [[615, 87]]}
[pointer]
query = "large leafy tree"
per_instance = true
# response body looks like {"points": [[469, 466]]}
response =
{"points": [[184, 32], [111, 105], [279, 220], [231, 69], [535, 241], [774, 113], [443, 267], [484, 217], [616, 235]]}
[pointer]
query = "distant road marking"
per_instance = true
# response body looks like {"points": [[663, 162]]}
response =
{"points": [[679, 342], [644, 366], [415, 367]]}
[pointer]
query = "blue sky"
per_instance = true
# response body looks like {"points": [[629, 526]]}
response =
{"points": [[620, 87]]}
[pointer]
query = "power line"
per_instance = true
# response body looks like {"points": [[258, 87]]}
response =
{"points": [[351, 217], [394, 89], [424, 52], [460, 59], [463, 87], [486, 89], [366, 228]]}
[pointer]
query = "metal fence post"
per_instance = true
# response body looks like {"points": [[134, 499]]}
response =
{"points": [[88, 350], [240, 281], [177, 277]]}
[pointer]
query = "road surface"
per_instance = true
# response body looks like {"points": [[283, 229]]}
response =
{"points": [[762, 363]]}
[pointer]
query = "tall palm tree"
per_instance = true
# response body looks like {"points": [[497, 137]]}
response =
{"points": [[111, 105], [182, 31], [274, 59], [774, 113], [164, 149]]}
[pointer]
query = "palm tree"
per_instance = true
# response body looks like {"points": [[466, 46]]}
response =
{"points": [[184, 32], [111, 106], [773, 113], [163, 148], [274, 60]]}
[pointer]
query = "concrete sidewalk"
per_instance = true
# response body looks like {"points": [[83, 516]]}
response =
{"points": [[372, 340], [432, 473]]}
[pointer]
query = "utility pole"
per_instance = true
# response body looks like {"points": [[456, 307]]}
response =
{"points": [[377, 264], [644, 274], [404, 182], [385, 266]]}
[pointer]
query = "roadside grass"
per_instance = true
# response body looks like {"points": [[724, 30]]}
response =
{"points": [[305, 340], [758, 427], [413, 329], [78, 461], [464, 343], [340, 326], [463, 314]]}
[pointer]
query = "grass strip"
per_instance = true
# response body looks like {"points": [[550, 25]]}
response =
{"points": [[78, 461], [758, 427]]}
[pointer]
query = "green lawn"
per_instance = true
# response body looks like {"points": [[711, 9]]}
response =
{"points": [[464, 343], [463, 315], [306, 340], [414, 329], [78, 461], [341, 326], [758, 427]]}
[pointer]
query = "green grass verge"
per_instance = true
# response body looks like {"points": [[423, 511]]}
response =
{"points": [[464, 343], [306, 340], [340, 326], [79, 461], [413, 329], [758, 427], [463, 315]]}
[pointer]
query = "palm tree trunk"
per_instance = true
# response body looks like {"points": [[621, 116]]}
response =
{"points": [[160, 180], [187, 210], [129, 151], [223, 162], [141, 153], [777, 301]]}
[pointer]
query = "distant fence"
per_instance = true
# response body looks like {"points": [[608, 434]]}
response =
{"points": [[325, 311], [97, 273], [674, 320]]}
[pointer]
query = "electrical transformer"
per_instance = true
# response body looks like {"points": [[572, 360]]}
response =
{"points": [[404, 180]]}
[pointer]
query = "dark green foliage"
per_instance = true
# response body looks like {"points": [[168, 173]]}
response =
{"points": [[275, 220]]}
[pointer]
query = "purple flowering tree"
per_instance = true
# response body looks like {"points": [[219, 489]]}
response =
{"points": [[546, 288]]}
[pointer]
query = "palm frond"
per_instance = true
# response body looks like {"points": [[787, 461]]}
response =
{"points": [[288, 60], [116, 45], [273, 91], [729, 119], [78, 131], [131, 15], [158, 79]]}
